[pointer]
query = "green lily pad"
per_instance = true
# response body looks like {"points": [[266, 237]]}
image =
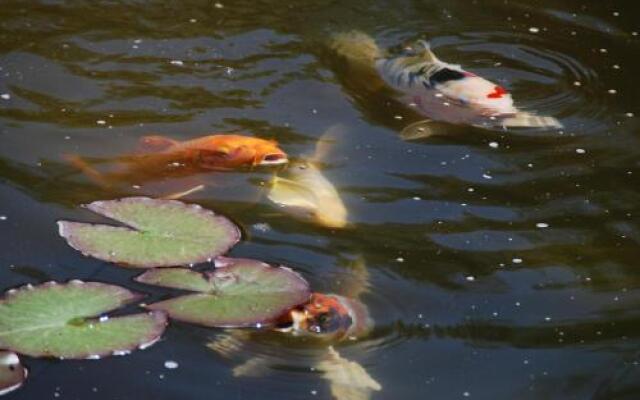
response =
{"points": [[238, 293], [12, 373], [67, 321], [159, 233]]}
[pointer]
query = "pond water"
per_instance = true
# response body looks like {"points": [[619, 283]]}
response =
{"points": [[503, 265]]}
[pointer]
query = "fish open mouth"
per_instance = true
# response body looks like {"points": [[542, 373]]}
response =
{"points": [[274, 159]]}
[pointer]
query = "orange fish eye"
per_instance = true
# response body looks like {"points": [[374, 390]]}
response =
{"points": [[497, 93]]}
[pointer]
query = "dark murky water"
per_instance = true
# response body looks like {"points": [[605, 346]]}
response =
{"points": [[503, 265]]}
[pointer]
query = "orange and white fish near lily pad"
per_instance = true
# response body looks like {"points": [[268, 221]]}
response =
{"points": [[161, 156]]}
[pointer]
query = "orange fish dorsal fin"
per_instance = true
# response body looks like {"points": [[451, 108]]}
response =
{"points": [[156, 143]]}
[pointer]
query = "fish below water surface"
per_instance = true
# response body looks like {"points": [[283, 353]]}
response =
{"points": [[307, 194], [160, 157], [439, 90]]}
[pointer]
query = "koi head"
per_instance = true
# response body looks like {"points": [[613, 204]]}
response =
{"points": [[328, 316], [226, 151], [267, 152]]}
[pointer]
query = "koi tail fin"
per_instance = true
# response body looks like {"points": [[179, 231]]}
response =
{"points": [[356, 47], [84, 167], [522, 119]]}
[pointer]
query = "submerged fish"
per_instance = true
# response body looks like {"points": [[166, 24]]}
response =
{"points": [[439, 90], [330, 318], [307, 194], [164, 156]]}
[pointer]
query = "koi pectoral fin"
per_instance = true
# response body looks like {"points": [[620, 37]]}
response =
{"points": [[527, 120], [84, 167], [348, 380], [420, 130]]}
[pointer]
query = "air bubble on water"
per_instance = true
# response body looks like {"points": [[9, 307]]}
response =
{"points": [[533, 29], [400, 259], [101, 122], [5, 96], [470, 190], [218, 5], [517, 260], [487, 176], [577, 83], [581, 151], [629, 114], [397, 117], [3, 217], [493, 145], [193, 20], [177, 62], [466, 394], [470, 278], [612, 91], [542, 225], [547, 319], [416, 198], [170, 364], [603, 50]]}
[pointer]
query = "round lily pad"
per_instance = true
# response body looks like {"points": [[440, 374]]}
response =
{"points": [[158, 233], [12, 373], [67, 321], [239, 293]]}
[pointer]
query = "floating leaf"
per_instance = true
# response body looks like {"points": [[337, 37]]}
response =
{"points": [[12, 373], [238, 293], [58, 320], [159, 233]]}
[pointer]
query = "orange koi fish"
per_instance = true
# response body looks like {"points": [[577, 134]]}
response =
{"points": [[167, 157]]}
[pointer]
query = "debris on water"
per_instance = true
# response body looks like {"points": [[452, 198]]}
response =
{"points": [[517, 260], [400, 259], [581, 151], [177, 62], [487, 176], [5, 96], [470, 278], [218, 5], [577, 83], [612, 91], [533, 29], [542, 225], [629, 114], [170, 364], [493, 145], [3, 217], [101, 122], [193, 20]]}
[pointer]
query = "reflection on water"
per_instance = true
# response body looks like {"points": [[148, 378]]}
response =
{"points": [[515, 250]]}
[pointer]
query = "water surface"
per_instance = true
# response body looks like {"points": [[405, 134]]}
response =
{"points": [[503, 265]]}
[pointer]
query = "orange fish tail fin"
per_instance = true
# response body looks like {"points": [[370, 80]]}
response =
{"points": [[87, 169], [156, 143]]}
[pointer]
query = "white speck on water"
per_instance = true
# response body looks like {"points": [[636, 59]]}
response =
{"points": [[629, 114], [517, 304], [487, 176], [493, 145], [577, 83], [218, 5], [542, 225], [603, 50], [136, 186], [615, 66], [533, 29], [612, 91], [397, 116], [176, 62], [438, 95], [525, 362], [517, 260], [400, 259], [3, 217], [104, 318], [101, 122], [261, 227], [547, 318], [5, 96], [616, 14], [416, 198], [470, 190], [193, 20], [466, 394], [314, 392], [581, 151], [470, 278], [170, 364], [258, 325]]}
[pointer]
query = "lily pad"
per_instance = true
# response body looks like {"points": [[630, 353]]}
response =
{"points": [[159, 233], [239, 293], [61, 320], [12, 373]]}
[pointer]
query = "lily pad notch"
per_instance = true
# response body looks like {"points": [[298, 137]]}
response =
{"points": [[156, 233], [237, 293], [68, 321]]}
